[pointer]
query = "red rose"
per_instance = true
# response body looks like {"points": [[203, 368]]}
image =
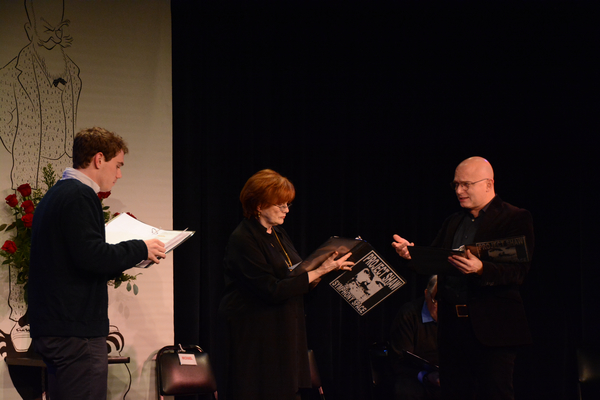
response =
{"points": [[131, 215], [9, 247], [12, 200], [28, 206], [27, 220], [25, 190], [103, 195]]}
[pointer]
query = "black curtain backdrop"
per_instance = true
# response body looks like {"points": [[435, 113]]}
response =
{"points": [[368, 107]]}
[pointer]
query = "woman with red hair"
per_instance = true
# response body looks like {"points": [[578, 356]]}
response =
{"points": [[264, 350]]}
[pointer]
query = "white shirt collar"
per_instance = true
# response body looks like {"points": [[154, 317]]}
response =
{"points": [[72, 173]]}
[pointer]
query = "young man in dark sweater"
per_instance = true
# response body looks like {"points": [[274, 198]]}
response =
{"points": [[71, 264]]}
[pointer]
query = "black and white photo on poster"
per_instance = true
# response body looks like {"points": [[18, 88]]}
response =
{"points": [[371, 280]]}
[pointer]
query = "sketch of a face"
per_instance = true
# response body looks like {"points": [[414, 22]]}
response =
{"points": [[39, 96], [47, 30], [364, 276]]}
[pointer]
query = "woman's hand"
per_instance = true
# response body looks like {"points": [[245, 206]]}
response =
{"points": [[331, 264]]}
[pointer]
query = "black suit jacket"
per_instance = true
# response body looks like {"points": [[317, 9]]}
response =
{"points": [[494, 302]]}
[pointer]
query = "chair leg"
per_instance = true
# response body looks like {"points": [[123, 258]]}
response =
{"points": [[321, 393]]}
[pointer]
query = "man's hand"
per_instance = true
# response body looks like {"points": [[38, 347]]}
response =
{"points": [[400, 245], [156, 250], [432, 378], [468, 264]]}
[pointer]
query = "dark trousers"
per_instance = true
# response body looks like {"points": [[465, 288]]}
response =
{"points": [[77, 367], [409, 388], [468, 369]]}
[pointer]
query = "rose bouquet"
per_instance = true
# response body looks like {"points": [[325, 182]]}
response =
{"points": [[16, 250], [22, 204]]}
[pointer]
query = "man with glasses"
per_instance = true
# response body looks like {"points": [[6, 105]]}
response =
{"points": [[480, 311]]}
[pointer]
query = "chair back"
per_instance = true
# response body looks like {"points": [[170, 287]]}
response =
{"points": [[315, 378], [184, 370], [588, 368], [379, 362]]}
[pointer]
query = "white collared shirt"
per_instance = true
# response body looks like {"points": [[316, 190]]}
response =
{"points": [[72, 173]]}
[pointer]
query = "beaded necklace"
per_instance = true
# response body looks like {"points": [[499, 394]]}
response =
{"points": [[288, 262]]}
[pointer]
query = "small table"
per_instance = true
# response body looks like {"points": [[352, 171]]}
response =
{"points": [[38, 362]]}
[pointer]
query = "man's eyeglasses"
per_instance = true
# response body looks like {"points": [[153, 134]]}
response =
{"points": [[465, 185], [283, 206]]}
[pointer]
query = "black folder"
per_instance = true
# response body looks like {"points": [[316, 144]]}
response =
{"points": [[333, 244], [432, 260]]}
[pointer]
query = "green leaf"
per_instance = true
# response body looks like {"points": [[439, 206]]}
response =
{"points": [[129, 286], [135, 289]]}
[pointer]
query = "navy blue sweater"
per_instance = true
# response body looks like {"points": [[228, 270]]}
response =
{"points": [[71, 263]]}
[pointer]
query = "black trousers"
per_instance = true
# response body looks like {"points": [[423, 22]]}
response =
{"points": [[77, 367], [468, 369], [409, 388]]}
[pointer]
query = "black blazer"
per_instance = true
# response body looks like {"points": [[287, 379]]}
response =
{"points": [[494, 302]]}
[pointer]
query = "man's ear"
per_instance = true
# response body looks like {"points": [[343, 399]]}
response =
{"points": [[98, 159]]}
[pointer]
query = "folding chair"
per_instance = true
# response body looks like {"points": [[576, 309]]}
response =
{"points": [[588, 368], [184, 370], [314, 374]]}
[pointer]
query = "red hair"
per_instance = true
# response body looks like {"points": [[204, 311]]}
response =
{"points": [[264, 189]]}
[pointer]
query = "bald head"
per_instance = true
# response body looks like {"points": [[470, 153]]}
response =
{"points": [[474, 184], [478, 165]]}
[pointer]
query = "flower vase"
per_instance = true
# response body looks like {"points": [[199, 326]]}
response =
{"points": [[19, 334]]}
